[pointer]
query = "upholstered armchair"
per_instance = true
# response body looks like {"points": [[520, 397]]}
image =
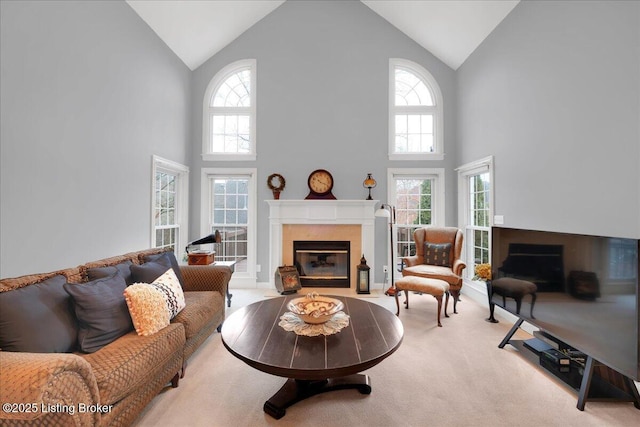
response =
{"points": [[437, 257]]}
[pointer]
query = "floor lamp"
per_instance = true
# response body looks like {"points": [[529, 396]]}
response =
{"points": [[389, 211]]}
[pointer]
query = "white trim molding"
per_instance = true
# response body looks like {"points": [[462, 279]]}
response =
{"points": [[437, 191], [208, 111], [475, 167], [239, 279], [182, 199], [437, 111]]}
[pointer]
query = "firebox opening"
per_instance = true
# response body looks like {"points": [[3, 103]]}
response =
{"points": [[322, 263]]}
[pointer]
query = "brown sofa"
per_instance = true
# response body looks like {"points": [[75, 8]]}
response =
{"points": [[112, 385]]}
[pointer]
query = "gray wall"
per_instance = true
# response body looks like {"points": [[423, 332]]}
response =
{"points": [[553, 93], [88, 94], [322, 89]]}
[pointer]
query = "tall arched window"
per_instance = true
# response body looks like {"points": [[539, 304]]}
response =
{"points": [[229, 119], [415, 113]]}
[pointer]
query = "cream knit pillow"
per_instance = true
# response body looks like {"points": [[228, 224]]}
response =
{"points": [[148, 308]]}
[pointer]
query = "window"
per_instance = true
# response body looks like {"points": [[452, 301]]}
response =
{"points": [[475, 180], [229, 204], [169, 205], [418, 195], [229, 119], [415, 113]]}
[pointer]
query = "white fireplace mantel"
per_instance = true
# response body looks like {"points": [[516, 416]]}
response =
{"points": [[312, 212]]}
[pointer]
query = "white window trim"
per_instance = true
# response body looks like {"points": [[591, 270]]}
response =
{"points": [[437, 192], [213, 86], [464, 172], [438, 111], [239, 279], [160, 164]]}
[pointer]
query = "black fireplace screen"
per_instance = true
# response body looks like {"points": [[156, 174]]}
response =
{"points": [[322, 263]]}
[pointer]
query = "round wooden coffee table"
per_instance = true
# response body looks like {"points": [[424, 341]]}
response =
{"points": [[312, 364]]}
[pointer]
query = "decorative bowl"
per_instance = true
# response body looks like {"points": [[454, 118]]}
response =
{"points": [[315, 308]]}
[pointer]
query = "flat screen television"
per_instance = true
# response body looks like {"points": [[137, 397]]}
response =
{"points": [[586, 290]]}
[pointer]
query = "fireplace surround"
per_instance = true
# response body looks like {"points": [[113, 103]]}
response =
{"points": [[323, 220]]}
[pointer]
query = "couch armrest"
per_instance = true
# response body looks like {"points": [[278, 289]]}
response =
{"points": [[206, 278], [38, 384]]}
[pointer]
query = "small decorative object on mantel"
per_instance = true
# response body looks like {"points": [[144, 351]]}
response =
{"points": [[320, 184], [369, 183], [287, 279], [363, 276], [276, 184]]}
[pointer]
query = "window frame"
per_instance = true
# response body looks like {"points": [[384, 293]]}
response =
{"points": [[438, 201], [465, 172], [209, 111], [239, 279], [159, 164], [437, 111]]}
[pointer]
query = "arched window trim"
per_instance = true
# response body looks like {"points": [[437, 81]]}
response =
{"points": [[208, 111], [436, 110]]}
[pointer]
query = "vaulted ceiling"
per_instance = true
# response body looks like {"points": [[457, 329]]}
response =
{"points": [[196, 30]]}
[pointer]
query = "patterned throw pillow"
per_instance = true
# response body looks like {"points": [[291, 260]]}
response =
{"points": [[148, 308], [437, 254], [170, 285]]}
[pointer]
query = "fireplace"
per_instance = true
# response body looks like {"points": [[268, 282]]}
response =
{"points": [[322, 263], [321, 220]]}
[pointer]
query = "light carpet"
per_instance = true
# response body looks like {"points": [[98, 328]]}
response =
{"points": [[450, 376]]}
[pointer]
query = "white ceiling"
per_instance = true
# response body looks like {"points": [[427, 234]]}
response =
{"points": [[196, 29]]}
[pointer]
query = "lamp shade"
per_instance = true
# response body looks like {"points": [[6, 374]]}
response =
{"points": [[382, 212], [369, 182]]}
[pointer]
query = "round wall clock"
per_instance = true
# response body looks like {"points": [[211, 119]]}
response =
{"points": [[320, 184]]}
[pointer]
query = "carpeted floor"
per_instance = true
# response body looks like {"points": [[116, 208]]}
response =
{"points": [[450, 376]]}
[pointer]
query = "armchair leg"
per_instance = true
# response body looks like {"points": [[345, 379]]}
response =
{"points": [[446, 304], [397, 304], [406, 299], [456, 297]]}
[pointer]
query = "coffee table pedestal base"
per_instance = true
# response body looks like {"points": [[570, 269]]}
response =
{"points": [[296, 390]]}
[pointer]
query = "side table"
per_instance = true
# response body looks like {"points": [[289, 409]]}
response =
{"points": [[232, 266]]}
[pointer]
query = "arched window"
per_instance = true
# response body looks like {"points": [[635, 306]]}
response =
{"points": [[229, 119], [415, 113]]}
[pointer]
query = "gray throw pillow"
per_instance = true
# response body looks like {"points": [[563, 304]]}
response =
{"points": [[149, 271], [101, 310], [103, 272], [38, 318], [169, 259]]}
